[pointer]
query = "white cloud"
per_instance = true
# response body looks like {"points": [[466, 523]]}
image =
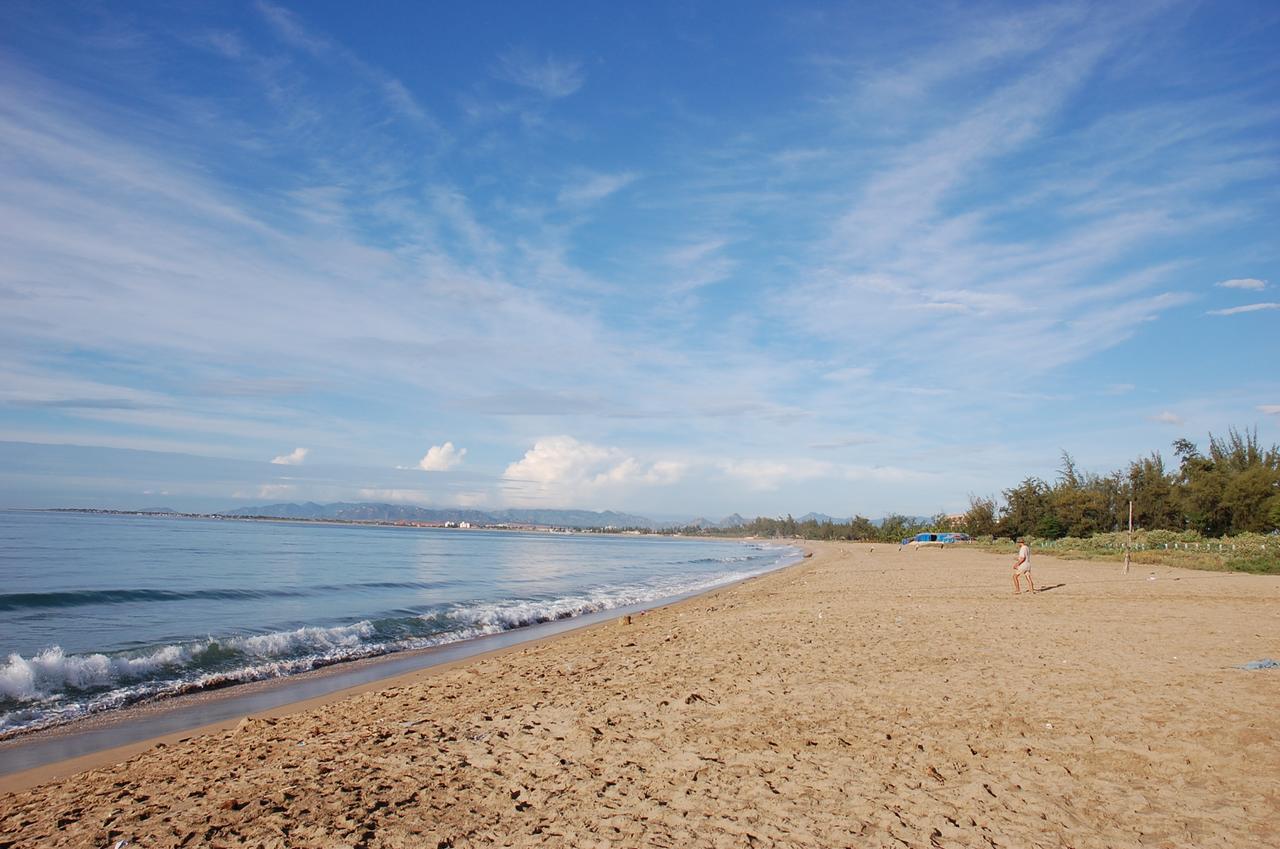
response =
{"points": [[595, 188], [695, 253], [764, 474], [276, 490], [1269, 409], [550, 77], [441, 458], [697, 264], [561, 467], [882, 474], [1244, 283], [289, 27], [1167, 417], [293, 458], [375, 275], [770, 474], [665, 472], [398, 496], [1246, 308]]}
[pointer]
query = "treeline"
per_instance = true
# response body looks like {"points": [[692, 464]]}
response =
{"points": [[1232, 487], [891, 528]]}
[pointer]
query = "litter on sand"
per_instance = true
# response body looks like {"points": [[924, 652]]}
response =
{"points": [[1265, 663]]}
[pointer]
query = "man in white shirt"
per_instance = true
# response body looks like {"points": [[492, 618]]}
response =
{"points": [[1022, 566]]}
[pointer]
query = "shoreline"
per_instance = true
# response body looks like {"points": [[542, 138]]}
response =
{"points": [[518, 528], [34, 757], [864, 696]]}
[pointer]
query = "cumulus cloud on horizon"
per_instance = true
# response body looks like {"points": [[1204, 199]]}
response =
{"points": [[564, 467], [395, 496], [293, 458], [442, 458]]}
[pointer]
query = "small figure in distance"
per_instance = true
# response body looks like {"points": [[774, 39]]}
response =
{"points": [[1022, 566]]}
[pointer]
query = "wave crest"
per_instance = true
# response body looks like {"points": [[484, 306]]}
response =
{"points": [[52, 687]]}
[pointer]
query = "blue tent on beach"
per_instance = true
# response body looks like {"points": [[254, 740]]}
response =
{"points": [[936, 538]]}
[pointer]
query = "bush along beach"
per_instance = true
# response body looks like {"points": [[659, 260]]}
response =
{"points": [[1216, 509]]}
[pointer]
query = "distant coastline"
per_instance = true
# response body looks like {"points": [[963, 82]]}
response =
{"points": [[383, 523]]}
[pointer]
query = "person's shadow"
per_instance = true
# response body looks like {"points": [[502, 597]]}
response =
{"points": [[1050, 587]]}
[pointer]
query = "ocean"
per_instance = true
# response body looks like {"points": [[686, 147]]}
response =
{"points": [[99, 611]]}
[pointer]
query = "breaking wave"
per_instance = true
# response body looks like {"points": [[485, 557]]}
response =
{"points": [[52, 687]]}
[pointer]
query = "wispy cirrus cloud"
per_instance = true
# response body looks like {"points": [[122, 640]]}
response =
{"points": [[700, 263], [929, 258], [291, 29], [852, 441], [595, 188], [978, 45], [547, 75], [1268, 305], [1251, 284], [288, 244]]}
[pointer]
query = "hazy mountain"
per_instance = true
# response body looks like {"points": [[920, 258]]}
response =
{"points": [[822, 518], [378, 512]]}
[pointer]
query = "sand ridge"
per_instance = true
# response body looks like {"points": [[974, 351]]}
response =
{"points": [[867, 697]]}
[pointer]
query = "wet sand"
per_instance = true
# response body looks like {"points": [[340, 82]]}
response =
{"points": [[866, 697]]}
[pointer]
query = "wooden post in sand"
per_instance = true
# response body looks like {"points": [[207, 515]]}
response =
{"points": [[1129, 545]]}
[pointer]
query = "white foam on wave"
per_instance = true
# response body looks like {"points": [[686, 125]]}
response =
{"points": [[52, 671], [343, 645], [493, 617], [280, 643], [40, 683]]}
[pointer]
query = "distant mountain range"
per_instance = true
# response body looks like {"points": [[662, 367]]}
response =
{"points": [[379, 512], [372, 512], [822, 517]]}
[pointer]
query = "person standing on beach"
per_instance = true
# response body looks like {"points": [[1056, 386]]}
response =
{"points": [[1022, 566]]}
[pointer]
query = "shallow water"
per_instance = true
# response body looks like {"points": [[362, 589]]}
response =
{"points": [[101, 611]]}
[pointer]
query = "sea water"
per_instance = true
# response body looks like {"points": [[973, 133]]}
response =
{"points": [[100, 611]]}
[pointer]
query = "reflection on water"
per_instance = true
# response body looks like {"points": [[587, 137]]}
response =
{"points": [[109, 610]]}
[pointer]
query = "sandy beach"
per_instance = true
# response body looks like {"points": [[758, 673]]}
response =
{"points": [[867, 697]]}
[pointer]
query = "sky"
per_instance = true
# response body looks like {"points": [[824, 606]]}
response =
{"points": [[671, 258]]}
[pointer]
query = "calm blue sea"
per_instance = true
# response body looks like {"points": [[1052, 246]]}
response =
{"points": [[100, 611]]}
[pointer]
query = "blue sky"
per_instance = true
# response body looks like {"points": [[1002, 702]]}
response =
{"points": [[670, 258]]}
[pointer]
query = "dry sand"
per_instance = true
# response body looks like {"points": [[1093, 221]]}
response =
{"points": [[863, 698]]}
